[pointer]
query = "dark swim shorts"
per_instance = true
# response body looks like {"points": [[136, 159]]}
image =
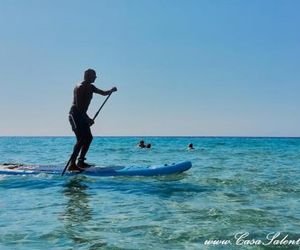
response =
{"points": [[78, 123]]}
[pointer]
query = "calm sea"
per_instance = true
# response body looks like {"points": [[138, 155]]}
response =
{"points": [[241, 193]]}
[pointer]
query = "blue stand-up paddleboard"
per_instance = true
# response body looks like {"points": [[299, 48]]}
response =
{"points": [[15, 169]]}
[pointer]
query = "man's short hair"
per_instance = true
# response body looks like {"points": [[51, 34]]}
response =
{"points": [[88, 73]]}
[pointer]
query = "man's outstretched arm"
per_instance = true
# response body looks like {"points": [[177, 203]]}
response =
{"points": [[103, 92]]}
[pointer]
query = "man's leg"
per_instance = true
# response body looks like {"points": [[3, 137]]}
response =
{"points": [[87, 140], [76, 150], [79, 128]]}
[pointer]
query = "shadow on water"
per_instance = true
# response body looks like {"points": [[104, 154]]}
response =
{"points": [[161, 187], [76, 187]]}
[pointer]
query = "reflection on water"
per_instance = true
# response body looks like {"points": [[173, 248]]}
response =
{"points": [[78, 212]]}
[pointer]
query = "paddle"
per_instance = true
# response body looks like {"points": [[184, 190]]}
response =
{"points": [[101, 106], [97, 113]]}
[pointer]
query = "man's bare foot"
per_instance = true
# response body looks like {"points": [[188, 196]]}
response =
{"points": [[74, 168], [12, 166], [82, 164]]}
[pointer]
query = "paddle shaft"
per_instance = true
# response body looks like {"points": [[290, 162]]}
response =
{"points": [[65, 168], [95, 116]]}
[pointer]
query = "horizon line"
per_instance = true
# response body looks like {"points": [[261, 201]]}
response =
{"points": [[182, 136]]}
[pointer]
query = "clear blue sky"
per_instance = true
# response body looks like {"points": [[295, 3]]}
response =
{"points": [[182, 67]]}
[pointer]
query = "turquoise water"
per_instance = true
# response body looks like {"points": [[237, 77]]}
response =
{"points": [[236, 185]]}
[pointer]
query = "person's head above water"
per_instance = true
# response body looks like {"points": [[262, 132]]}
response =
{"points": [[90, 75], [142, 144]]}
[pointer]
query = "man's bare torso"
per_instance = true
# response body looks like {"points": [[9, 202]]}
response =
{"points": [[83, 95]]}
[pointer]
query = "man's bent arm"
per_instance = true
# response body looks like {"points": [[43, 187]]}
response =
{"points": [[101, 92]]}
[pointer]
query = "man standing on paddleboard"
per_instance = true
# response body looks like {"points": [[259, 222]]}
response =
{"points": [[80, 121]]}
